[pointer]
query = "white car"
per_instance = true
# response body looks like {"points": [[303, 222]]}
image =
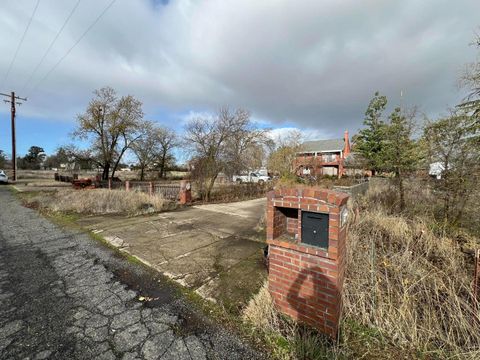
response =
{"points": [[252, 178], [3, 177]]}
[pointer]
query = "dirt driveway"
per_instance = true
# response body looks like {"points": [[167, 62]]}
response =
{"points": [[214, 249]]}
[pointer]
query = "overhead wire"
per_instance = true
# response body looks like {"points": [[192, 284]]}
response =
{"points": [[52, 69], [20, 44], [59, 32]]}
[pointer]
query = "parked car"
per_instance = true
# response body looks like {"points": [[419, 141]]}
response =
{"points": [[3, 177], [251, 177]]}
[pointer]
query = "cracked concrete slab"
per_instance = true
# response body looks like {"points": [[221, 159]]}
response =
{"points": [[196, 246]]}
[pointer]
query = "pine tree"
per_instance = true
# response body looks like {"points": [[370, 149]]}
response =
{"points": [[400, 153], [368, 142]]}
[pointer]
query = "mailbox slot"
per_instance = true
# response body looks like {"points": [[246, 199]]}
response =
{"points": [[315, 229]]}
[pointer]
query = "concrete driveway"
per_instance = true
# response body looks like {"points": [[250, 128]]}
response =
{"points": [[215, 249]]}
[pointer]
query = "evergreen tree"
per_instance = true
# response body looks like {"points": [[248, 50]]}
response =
{"points": [[368, 142], [400, 153]]}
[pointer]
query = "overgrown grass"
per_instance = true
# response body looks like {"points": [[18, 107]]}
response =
{"points": [[409, 280], [407, 291], [285, 338], [97, 201]]}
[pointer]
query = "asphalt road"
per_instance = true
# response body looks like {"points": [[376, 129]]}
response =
{"points": [[65, 296]]}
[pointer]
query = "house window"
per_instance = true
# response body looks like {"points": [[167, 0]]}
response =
{"points": [[329, 157]]}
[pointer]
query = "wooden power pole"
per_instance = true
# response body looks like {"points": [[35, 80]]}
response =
{"points": [[13, 102]]}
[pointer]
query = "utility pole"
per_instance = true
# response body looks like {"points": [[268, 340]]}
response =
{"points": [[13, 102]]}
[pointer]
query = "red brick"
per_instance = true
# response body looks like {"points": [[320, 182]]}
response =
{"points": [[331, 198], [305, 281]]}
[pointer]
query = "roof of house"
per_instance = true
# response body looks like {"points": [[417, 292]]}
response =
{"points": [[323, 145]]}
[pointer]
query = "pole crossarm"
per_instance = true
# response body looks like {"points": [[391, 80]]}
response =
{"points": [[16, 97]]}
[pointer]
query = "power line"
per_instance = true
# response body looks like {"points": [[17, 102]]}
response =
{"points": [[50, 46], [20, 43], [52, 69]]}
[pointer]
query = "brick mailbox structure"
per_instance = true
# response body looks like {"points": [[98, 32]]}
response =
{"points": [[306, 234]]}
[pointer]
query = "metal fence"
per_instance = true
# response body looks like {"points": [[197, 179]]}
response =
{"points": [[167, 191]]}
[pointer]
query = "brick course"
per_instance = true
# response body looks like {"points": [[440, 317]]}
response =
{"points": [[306, 281]]}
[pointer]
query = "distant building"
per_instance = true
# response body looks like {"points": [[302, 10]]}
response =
{"points": [[323, 157], [436, 170]]}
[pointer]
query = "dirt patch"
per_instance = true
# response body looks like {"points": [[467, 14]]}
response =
{"points": [[155, 293]]}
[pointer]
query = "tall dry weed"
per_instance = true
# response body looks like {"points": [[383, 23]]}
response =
{"points": [[101, 201], [408, 282]]}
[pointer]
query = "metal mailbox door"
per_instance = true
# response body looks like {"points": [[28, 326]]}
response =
{"points": [[315, 229]]}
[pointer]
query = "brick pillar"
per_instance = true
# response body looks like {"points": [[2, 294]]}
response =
{"points": [[306, 281], [150, 188], [127, 185], [185, 192]]}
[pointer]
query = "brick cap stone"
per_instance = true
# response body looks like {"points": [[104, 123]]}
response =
{"points": [[327, 196]]}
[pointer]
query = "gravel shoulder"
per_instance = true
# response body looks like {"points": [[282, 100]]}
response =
{"points": [[63, 295]]}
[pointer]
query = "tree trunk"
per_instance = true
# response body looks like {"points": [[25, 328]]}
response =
{"points": [[210, 187], [142, 171], [401, 191], [106, 171], [162, 165]]}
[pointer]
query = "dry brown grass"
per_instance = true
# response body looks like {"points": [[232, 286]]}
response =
{"points": [[100, 201], [409, 282], [285, 338], [407, 292]]}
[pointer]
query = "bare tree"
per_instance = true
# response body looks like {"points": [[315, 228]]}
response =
{"points": [[454, 143], [112, 125], [154, 147], [3, 159], [145, 148], [167, 141], [471, 81], [219, 144], [282, 157]]}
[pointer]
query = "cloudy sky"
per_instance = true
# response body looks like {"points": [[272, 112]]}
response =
{"points": [[313, 64]]}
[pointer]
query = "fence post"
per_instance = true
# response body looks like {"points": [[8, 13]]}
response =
{"points": [[150, 188], [185, 192], [127, 185], [109, 184]]}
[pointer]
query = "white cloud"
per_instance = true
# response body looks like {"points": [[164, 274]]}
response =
{"points": [[281, 133], [313, 63]]}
